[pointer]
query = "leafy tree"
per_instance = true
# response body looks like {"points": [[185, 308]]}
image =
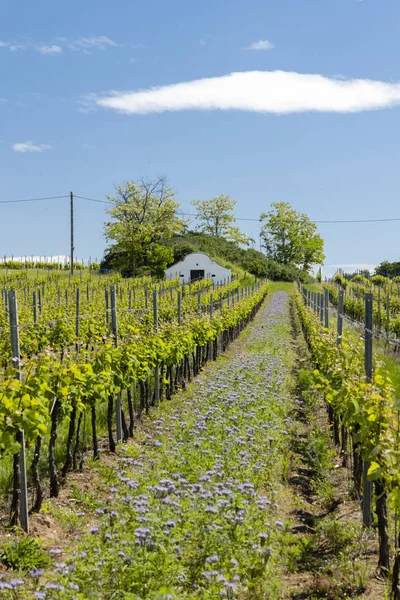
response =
{"points": [[216, 218], [388, 269], [144, 215], [290, 237]]}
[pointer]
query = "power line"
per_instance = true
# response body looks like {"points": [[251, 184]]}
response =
{"points": [[259, 221], [253, 219], [92, 199], [360, 221], [32, 199]]}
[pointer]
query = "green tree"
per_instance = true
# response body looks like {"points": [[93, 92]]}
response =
{"points": [[290, 237], [388, 269], [216, 217], [144, 215]]}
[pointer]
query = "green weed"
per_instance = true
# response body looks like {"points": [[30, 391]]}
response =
{"points": [[23, 554]]}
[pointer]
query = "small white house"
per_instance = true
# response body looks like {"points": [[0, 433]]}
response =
{"points": [[197, 266]]}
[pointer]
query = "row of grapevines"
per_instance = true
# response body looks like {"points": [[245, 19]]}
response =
{"points": [[388, 313], [368, 411]]}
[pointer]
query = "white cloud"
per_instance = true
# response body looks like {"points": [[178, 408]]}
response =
{"points": [[3, 44], [89, 44], [276, 92], [30, 147], [260, 45], [53, 49]]}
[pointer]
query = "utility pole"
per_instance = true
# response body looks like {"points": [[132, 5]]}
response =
{"points": [[72, 232]]}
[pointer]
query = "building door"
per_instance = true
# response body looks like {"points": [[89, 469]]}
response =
{"points": [[195, 275]]}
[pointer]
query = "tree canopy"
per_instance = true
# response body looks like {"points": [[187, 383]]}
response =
{"points": [[144, 215], [216, 217], [290, 237], [388, 269]]}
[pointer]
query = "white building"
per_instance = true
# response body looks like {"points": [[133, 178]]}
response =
{"points": [[198, 266]]}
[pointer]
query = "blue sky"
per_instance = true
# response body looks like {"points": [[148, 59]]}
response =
{"points": [[327, 145]]}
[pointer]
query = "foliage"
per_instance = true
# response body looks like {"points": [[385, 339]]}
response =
{"points": [[360, 279], [216, 218], [250, 260], [386, 294], [144, 215], [388, 269], [379, 280], [290, 237], [340, 279], [368, 410], [23, 553]]}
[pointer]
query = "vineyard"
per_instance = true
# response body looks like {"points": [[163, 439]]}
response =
{"points": [[80, 352], [386, 313], [191, 410]]}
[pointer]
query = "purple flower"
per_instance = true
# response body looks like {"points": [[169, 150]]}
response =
{"points": [[171, 524], [40, 595], [5, 585], [211, 509], [36, 572], [210, 574], [54, 586], [17, 582], [214, 558], [279, 523], [94, 530]]}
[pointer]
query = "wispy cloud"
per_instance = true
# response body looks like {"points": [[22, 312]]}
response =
{"points": [[86, 45], [17, 47], [277, 92], [87, 104], [260, 45], [3, 100], [30, 147], [53, 49], [91, 44]]}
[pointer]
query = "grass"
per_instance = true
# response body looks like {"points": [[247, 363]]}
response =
{"points": [[282, 286], [314, 287]]}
